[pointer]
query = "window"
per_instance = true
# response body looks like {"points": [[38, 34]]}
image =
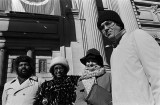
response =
{"points": [[147, 13], [13, 66], [42, 65]]}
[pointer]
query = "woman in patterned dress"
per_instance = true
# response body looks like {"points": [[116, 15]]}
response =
{"points": [[61, 89]]}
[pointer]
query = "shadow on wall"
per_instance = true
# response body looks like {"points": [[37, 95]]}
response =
{"points": [[69, 24], [99, 5]]}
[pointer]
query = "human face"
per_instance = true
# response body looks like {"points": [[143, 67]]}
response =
{"points": [[59, 71], [110, 29], [24, 70], [91, 62]]}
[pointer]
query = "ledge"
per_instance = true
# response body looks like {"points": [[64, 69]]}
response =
{"points": [[12, 14]]}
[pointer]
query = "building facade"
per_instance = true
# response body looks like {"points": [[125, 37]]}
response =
{"points": [[44, 29]]}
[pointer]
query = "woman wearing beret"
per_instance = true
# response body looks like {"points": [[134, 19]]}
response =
{"points": [[61, 89], [93, 72]]}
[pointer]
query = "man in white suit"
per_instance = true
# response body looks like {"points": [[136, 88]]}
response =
{"points": [[135, 62], [22, 90]]}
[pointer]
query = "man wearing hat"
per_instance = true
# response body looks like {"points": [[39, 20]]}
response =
{"points": [[135, 62], [93, 72]]}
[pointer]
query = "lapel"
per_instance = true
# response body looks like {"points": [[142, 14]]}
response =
{"points": [[13, 84], [29, 82]]}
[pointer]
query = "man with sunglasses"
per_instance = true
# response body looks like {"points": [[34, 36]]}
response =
{"points": [[135, 62]]}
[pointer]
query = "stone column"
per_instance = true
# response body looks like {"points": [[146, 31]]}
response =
{"points": [[3, 70], [127, 14], [80, 26], [94, 37], [3, 66], [125, 10], [107, 4], [3, 62], [56, 8]]}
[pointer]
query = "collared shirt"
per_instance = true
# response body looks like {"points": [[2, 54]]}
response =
{"points": [[21, 94]]}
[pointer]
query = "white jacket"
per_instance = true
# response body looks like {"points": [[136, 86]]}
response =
{"points": [[24, 94], [135, 68]]}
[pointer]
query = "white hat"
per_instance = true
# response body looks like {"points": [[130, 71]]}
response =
{"points": [[59, 60]]}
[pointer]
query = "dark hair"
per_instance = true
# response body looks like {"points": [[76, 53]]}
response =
{"points": [[24, 58]]}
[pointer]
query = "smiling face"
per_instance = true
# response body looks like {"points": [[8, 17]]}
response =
{"points": [[24, 70], [59, 71], [91, 62], [110, 29]]}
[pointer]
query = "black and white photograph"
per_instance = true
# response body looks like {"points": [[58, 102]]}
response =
{"points": [[79, 52]]}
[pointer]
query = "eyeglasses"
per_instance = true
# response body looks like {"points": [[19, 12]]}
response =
{"points": [[107, 25]]}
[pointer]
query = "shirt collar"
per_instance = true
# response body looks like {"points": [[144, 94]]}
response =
{"points": [[121, 33], [118, 36], [35, 78]]}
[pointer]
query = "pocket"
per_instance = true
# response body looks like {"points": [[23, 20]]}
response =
{"points": [[29, 91], [10, 91], [9, 94]]}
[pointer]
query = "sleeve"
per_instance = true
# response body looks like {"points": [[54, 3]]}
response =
{"points": [[39, 95], [4, 95], [80, 94], [149, 55]]}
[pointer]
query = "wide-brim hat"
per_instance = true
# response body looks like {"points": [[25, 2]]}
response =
{"points": [[94, 54], [109, 15]]}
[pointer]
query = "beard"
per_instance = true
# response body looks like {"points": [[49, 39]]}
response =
{"points": [[24, 75]]}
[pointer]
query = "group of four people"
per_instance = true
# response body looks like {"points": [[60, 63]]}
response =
{"points": [[135, 72]]}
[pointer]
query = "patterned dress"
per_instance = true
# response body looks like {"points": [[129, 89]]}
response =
{"points": [[57, 91]]}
